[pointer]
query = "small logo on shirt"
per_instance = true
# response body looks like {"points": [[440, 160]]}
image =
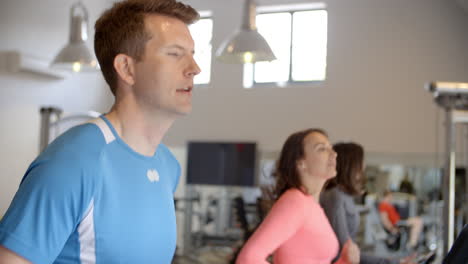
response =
{"points": [[153, 175]]}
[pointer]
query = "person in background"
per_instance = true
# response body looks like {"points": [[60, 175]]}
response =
{"points": [[391, 219], [296, 230], [406, 186], [337, 199], [103, 191]]}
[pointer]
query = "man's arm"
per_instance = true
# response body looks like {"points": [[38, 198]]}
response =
{"points": [[9, 257], [386, 222]]}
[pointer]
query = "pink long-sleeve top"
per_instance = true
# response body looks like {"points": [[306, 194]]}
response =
{"points": [[296, 231]]}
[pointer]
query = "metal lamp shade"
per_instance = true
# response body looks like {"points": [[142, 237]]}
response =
{"points": [[75, 55], [246, 45]]}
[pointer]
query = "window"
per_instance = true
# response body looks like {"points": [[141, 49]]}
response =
{"points": [[202, 32], [298, 37]]}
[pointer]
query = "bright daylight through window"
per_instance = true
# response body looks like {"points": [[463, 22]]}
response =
{"points": [[299, 40], [202, 32]]}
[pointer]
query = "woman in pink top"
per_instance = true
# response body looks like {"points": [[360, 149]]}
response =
{"points": [[296, 230]]}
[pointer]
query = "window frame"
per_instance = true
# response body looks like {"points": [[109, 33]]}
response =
{"points": [[291, 9], [207, 14]]}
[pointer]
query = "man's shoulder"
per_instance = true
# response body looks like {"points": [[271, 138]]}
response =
{"points": [[80, 142], [72, 159], [384, 206], [87, 134]]}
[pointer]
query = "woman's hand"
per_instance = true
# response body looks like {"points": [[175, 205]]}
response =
{"points": [[350, 252]]}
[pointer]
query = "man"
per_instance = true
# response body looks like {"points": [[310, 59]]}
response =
{"points": [[103, 191], [391, 219]]}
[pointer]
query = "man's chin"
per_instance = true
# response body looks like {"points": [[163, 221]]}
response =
{"points": [[184, 112]]}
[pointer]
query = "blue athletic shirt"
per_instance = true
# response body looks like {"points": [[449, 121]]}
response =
{"points": [[89, 198]]}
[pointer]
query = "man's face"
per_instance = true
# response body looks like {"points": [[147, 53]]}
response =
{"points": [[164, 76]]}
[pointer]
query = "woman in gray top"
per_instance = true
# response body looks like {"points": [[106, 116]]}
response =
{"points": [[338, 202]]}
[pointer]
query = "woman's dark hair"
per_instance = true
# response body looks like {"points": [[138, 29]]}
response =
{"points": [[286, 173], [349, 164]]}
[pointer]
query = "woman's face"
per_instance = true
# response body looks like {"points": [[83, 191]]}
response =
{"points": [[319, 157], [360, 179], [360, 174]]}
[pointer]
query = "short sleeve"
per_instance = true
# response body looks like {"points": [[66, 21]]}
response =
{"points": [[50, 202], [383, 207]]}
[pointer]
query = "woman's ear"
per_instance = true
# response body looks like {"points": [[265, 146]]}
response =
{"points": [[301, 165], [124, 65]]}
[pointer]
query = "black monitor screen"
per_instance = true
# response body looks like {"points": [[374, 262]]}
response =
{"points": [[221, 163]]}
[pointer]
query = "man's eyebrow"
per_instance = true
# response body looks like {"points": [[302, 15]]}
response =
{"points": [[179, 47], [320, 143]]}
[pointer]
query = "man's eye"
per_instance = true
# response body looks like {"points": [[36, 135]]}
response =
{"points": [[174, 54]]}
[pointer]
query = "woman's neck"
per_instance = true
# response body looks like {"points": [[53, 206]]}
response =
{"points": [[314, 187]]}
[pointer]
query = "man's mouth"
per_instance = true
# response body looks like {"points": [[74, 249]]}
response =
{"points": [[187, 89]]}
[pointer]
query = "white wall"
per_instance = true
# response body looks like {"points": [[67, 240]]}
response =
{"points": [[39, 29], [380, 54]]}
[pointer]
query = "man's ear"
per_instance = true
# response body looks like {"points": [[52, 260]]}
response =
{"points": [[124, 65]]}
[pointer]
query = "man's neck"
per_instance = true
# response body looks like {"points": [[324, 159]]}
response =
{"points": [[142, 131]]}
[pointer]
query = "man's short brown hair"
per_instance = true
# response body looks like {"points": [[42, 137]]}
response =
{"points": [[121, 29]]}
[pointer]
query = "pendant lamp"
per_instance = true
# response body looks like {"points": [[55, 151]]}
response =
{"points": [[76, 56], [246, 45]]}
